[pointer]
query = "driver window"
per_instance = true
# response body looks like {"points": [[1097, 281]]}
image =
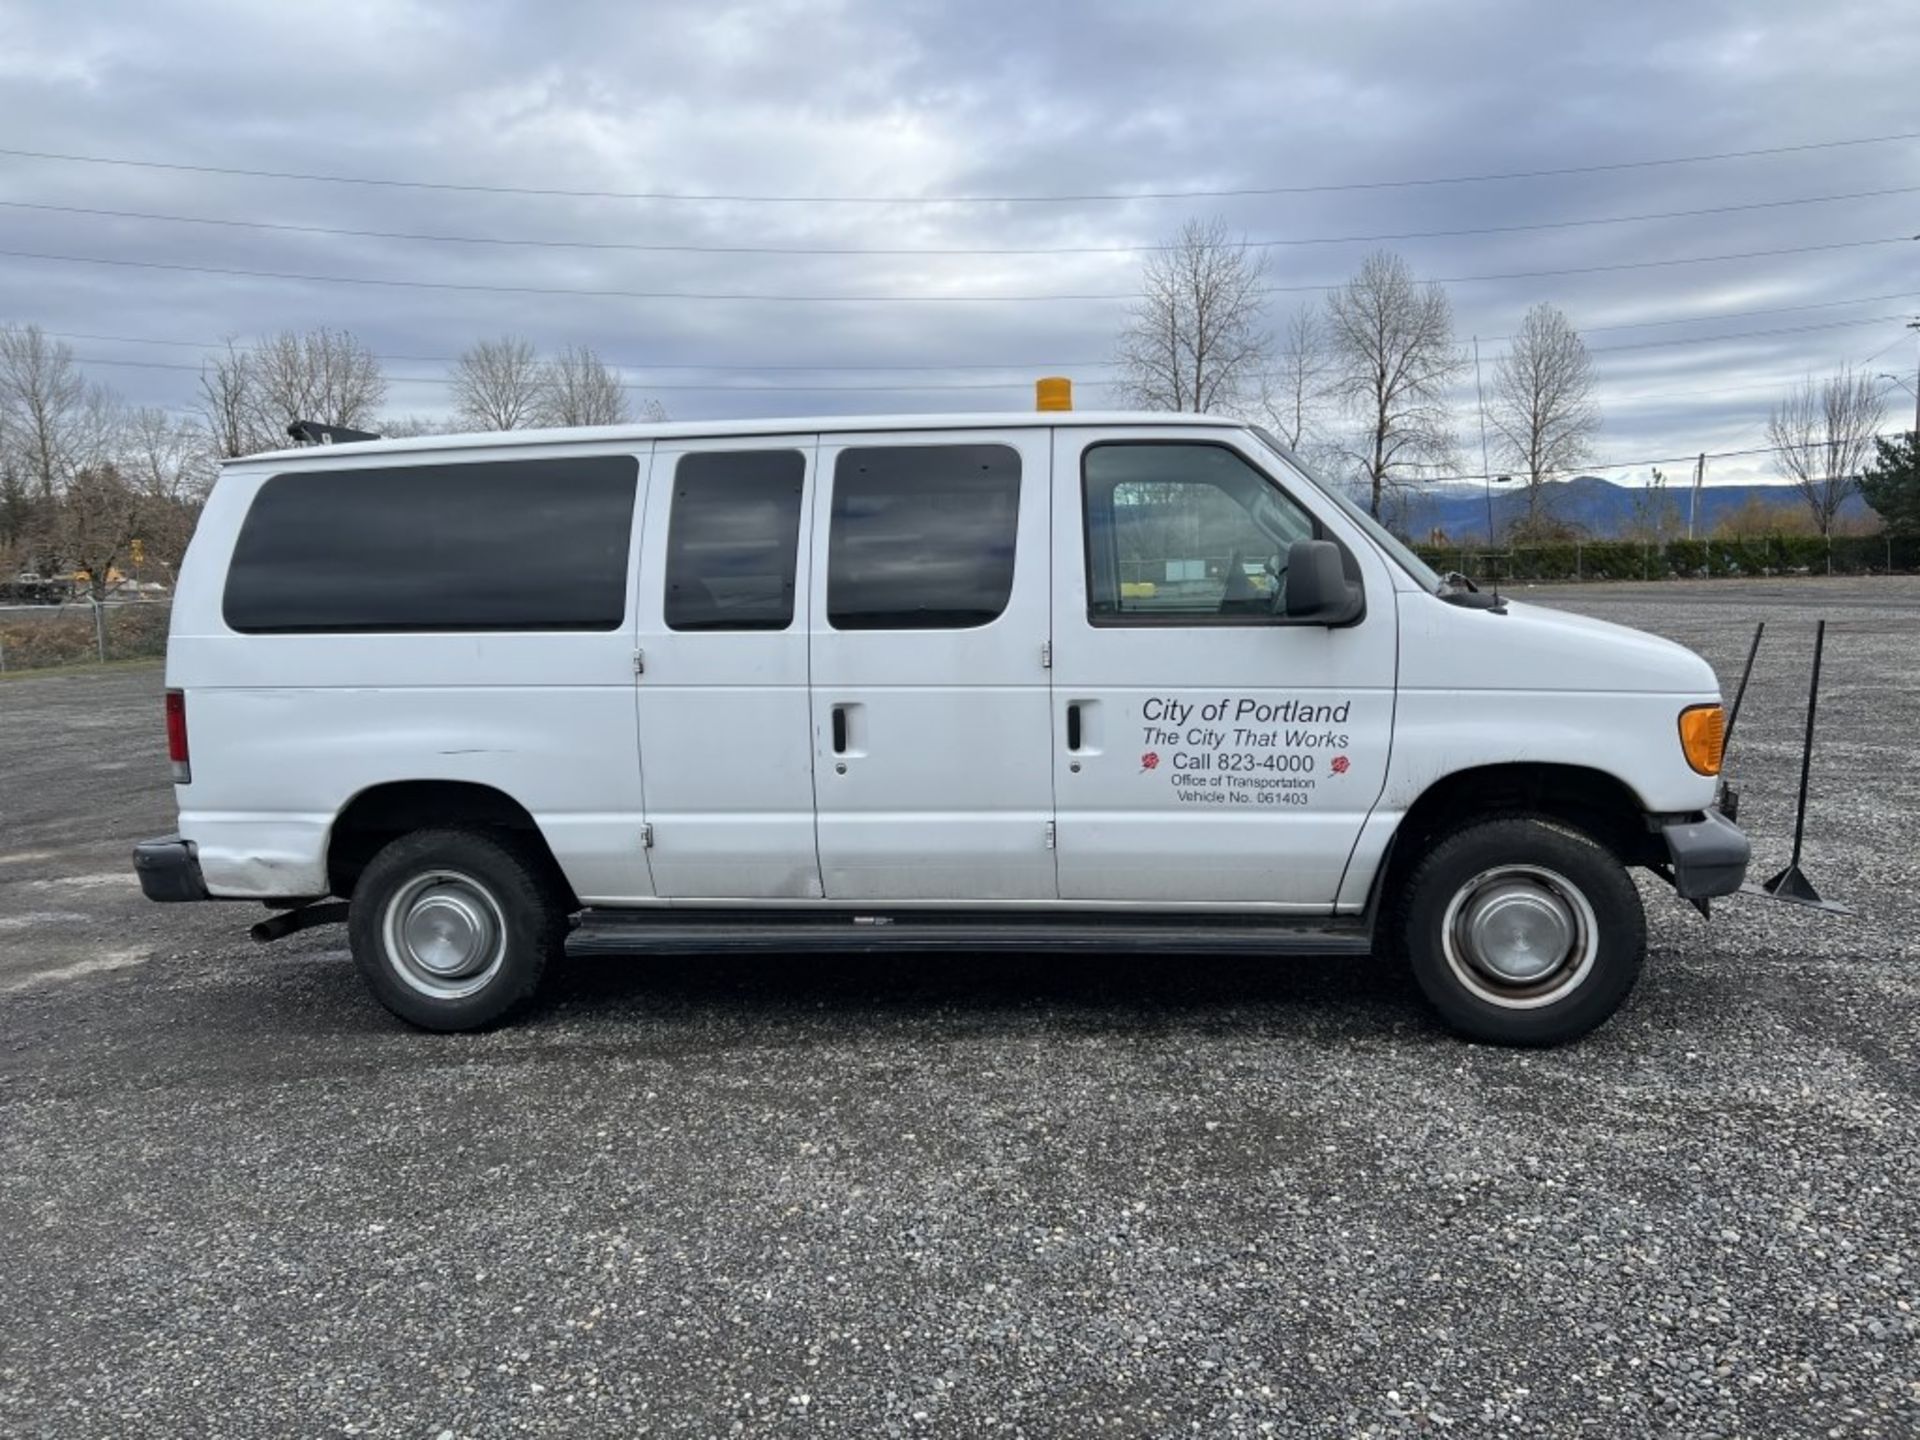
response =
{"points": [[1185, 532]]}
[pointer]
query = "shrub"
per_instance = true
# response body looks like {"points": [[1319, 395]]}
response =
{"points": [[34, 640]]}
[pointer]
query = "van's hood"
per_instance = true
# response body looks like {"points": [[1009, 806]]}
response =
{"points": [[1532, 647]]}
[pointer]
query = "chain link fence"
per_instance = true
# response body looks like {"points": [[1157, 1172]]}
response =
{"points": [[1578, 560], [80, 632]]}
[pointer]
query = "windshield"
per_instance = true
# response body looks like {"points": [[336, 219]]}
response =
{"points": [[1427, 577]]}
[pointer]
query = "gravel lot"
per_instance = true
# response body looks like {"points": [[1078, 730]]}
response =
{"points": [[994, 1197]]}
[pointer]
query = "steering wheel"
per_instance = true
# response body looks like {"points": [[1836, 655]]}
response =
{"points": [[1238, 593], [1276, 567]]}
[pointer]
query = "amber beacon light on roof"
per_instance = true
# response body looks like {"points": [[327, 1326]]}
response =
{"points": [[1054, 392]]}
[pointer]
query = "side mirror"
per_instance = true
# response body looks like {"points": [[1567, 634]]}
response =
{"points": [[1318, 590]]}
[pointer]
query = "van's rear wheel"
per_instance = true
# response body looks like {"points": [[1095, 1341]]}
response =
{"points": [[452, 929], [1522, 930]]}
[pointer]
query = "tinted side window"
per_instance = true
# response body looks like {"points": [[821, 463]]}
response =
{"points": [[922, 536], [733, 539], [489, 545]]}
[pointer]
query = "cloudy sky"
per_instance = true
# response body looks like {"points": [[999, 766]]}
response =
{"points": [[987, 126]]}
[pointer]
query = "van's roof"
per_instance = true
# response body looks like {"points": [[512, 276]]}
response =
{"points": [[722, 429]]}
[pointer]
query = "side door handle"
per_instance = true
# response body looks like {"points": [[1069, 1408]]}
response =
{"points": [[1083, 732], [839, 729]]}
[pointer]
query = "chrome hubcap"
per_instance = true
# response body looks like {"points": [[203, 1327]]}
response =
{"points": [[1520, 936], [1517, 930], [444, 934]]}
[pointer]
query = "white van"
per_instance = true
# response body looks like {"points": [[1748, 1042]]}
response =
{"points": [[1059, 681]]}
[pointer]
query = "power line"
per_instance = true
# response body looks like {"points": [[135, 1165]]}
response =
{"points": [[1068, 198], [652, 248], [669, 385], [1613, 400], [1604, 269], [1593, 465], [1619, 401], [1021, 384], [1742, 335], [1884, 348], [1036, 366], [583, 292], [878, 299], [1029, 367], [1739, 314]]}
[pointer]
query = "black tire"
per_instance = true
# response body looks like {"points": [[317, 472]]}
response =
{"points": [[486, 922], [1532, 889]]}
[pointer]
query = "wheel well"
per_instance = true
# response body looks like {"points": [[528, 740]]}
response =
{"points": [[1591, 800], [383, 813]]}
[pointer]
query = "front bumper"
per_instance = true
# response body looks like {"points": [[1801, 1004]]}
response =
{"points": [[1709, 855], [168, 869]]}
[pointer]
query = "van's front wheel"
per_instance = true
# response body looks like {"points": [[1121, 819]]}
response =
{"points": [[1522, 930], [452, 929]]}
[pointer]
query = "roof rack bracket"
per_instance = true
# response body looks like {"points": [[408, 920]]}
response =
{"points": [[312, 432]]}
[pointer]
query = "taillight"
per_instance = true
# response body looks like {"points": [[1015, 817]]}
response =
{"points": [[177, 738]]}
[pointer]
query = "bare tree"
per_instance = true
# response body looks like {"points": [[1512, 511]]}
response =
{"points": [[54, 423], [248, 397], [53, 420], [1653, 515], [19, 510], [1291, 394], [497, 385], [1543, 409], [322, 375], [408, 427], [1823, 436], [227, 404], [100, 517], [1393, 359], [169, 465], [165, 458], [1195, 340], [577, 388]]}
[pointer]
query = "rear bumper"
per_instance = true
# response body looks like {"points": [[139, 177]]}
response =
{"points": [[168, 869], [1709, 855]]}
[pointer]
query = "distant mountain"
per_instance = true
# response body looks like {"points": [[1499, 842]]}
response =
{"points": [[1595, 507]]}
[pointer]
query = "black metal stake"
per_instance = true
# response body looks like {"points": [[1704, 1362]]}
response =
{"points": [[1790, 883], [1740, 695]]}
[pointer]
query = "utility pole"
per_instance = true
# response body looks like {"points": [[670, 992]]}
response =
{"points": [[1693, 500], [1486, 465], [1914, 325]]}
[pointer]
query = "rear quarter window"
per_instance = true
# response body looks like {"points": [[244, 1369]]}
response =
{"points": [[493, 545]]}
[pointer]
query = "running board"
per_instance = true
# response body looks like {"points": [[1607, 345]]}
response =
{"points": [[682, 932]]}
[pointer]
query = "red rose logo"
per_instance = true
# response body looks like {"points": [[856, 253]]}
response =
{"points": [[1150, 760], [1340, 764]]}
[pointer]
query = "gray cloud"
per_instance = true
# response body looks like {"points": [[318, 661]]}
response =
{"points": [[926, 99]]}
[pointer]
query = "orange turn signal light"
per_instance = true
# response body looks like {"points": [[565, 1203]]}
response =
{"points": [[1703, 736]]}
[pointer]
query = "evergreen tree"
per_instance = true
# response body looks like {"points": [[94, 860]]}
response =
{"points": [[1891, 484]]}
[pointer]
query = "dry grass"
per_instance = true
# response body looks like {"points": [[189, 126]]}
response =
{"points": [[38, 641]]}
